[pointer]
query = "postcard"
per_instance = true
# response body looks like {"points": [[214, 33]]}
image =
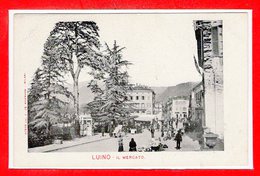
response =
{"points": [[147, 89]]}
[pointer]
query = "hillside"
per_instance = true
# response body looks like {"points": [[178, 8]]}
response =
{"points": [[162, 93], [158, 90], [85, 94], [182, 89]]}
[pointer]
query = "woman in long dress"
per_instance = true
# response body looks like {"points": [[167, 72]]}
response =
{"points": [[120, 144], [132, 145]]}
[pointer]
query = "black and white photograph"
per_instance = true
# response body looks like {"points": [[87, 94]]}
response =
{"points": [[143, 83]]}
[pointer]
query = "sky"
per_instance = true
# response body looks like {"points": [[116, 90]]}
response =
{"points": [[160, 46]]}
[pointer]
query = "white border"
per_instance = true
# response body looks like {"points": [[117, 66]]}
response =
{"points": [[10, 72], [250, 92]]}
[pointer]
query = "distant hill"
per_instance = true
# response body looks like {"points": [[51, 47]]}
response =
{"points": [[85, 94], [158, 91], [162, 93], [182, 89]]}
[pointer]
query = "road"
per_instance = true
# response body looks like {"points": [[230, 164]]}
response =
{"points": [[142, 140]]}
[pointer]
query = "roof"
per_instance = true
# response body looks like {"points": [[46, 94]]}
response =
{"points": [[178, 98], [143, 88]]}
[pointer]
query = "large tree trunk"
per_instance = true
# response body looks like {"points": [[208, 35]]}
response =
{"points": [[76, 99], [76, 96], [76, 106]]}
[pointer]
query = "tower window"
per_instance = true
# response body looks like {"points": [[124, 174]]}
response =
{"points": [[215, 41]]}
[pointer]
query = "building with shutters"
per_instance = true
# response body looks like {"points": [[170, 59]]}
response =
{"points": [[143, 99], [176, 112]]}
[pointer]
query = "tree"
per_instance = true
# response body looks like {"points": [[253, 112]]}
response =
{"points": [[47, 94], [77, 44], [34, 93], [111, 101]]}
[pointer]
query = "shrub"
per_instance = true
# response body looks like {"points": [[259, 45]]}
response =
{"points": [[35, 140], [194, 126], [66, 133], [72, 132], [98, 128], [56, 132]]}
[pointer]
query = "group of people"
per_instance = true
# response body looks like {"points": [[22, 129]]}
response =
{"points": [[132, 145], [168, 134], [155, 144]]}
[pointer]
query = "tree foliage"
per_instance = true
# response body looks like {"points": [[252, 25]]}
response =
{"points": [[111, 101], [47, 93], [80, 40]]}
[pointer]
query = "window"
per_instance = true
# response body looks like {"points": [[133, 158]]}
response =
{"points": [[200, 45], [198, 97], [131, 97], [142, 97], [220, 40], [137, 98], [215, 41]]}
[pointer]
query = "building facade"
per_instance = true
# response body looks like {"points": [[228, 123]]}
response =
{"points": [[176, 112], [180, 108], [143, 99], [196, 105], [209, 36], [158, 108]]}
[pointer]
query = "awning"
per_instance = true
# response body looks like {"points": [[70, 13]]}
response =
{"points": [[145, 117]]}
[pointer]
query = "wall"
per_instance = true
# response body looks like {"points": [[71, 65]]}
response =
{"points": [[209, 36], [214, 107]]}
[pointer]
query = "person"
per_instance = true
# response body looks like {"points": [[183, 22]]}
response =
{"points": [[132, 145], [169, 134], [162, 130], [152, 132], [125, 130], [155, 144], [177, 121], [158, 126], [120, 144], [110, 130], [103, 131], [178, 139], [172, 133]]}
